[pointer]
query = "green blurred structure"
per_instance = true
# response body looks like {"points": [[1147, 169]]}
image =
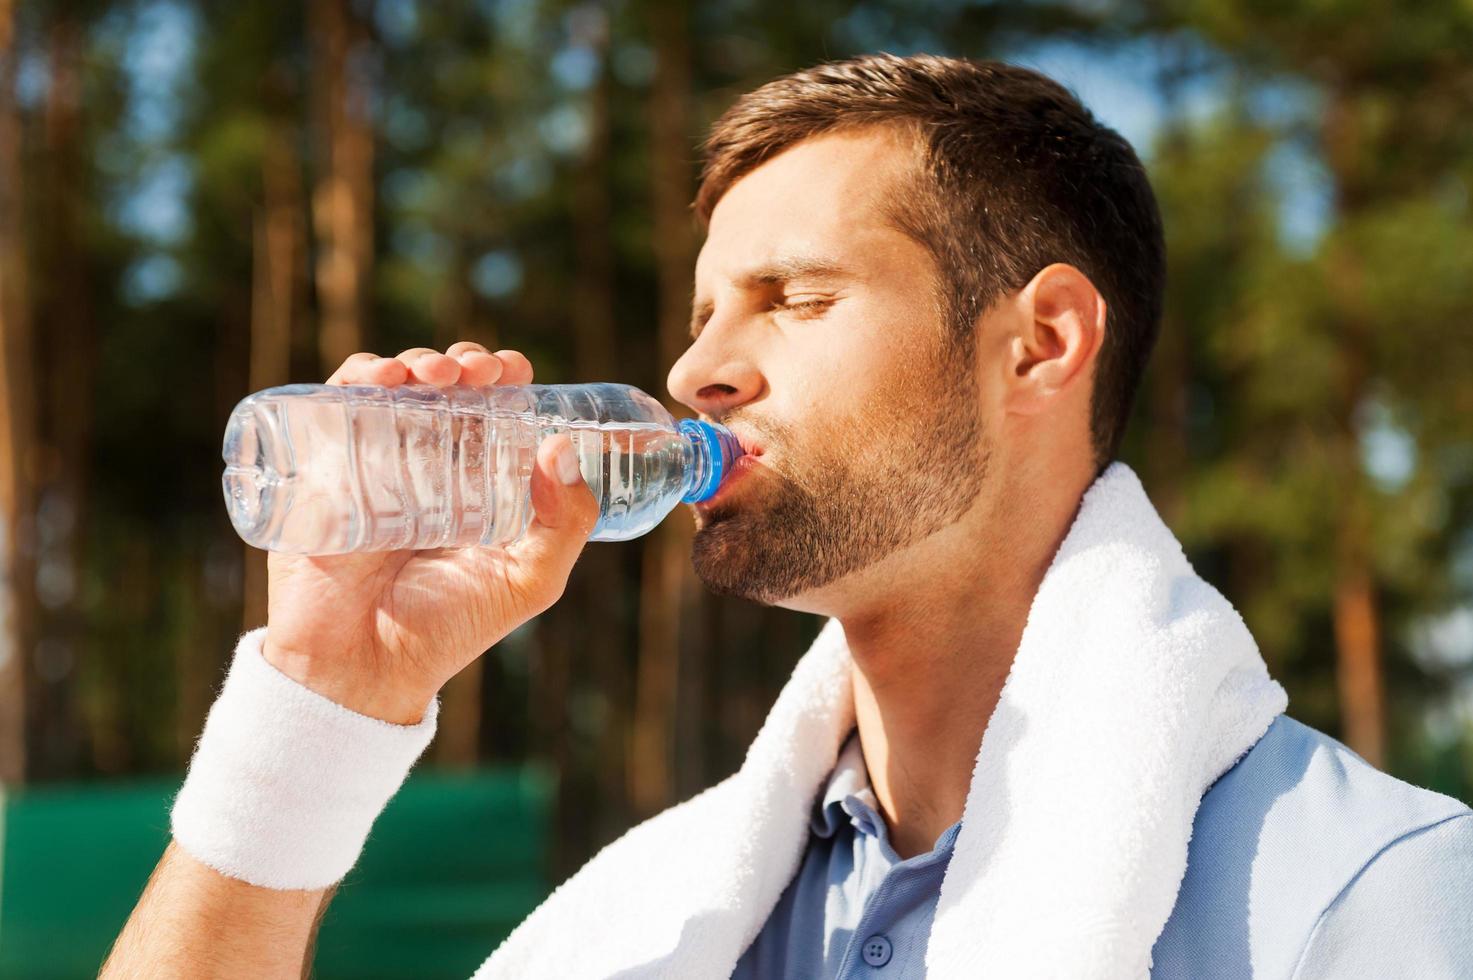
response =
{"points": [[453, 865]]}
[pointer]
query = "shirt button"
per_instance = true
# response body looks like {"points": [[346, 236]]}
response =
{"points": [[877, 951]]}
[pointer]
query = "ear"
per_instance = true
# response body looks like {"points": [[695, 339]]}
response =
{"points": [[1060, 327]]}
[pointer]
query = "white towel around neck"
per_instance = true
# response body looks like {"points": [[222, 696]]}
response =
{"points": [[1135, 686]]}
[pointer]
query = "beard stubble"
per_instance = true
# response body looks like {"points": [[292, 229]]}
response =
{"points": [[853, 494]]}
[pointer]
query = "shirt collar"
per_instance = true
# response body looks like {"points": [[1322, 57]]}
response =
{"points": [[848, 781], [848, 798]]}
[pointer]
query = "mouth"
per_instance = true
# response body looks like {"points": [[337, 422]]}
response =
{"points": [[750, 446], [752, 451]]}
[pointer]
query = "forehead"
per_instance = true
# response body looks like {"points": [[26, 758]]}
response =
{"points": [[825, 196]]}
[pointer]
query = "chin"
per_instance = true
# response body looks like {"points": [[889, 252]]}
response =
{"points": [[728, 559]]}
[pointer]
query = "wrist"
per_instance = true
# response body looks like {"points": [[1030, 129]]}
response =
{"points": [[285, 783], [327, 676]]}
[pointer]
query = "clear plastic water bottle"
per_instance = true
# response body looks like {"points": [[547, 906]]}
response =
{"points": [[329, 469]]}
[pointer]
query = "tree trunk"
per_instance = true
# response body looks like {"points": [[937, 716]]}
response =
{"points": [[594, 353], [16, 421], [342, 201], [458, 740], [598, 583], [1357, 638], [62, 292], [276, 288], [1359, 673], [667, 574], [547, 694]]}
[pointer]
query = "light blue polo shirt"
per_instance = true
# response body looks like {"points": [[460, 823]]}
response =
{"points": [[855, 908], [1305, 862]]}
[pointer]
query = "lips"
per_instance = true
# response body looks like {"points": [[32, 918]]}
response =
{"points": [[749, 445], [741, 467]]}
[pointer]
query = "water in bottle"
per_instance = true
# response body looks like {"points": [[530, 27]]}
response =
{"points": [[329, 469]]}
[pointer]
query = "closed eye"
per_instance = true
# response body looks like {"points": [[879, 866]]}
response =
{"points": [[807, 307]]}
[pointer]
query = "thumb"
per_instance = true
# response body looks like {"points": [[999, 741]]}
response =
{"points": [[565, 513]]}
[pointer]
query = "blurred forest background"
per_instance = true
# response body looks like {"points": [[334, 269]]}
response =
{"points": [[202, 198]]}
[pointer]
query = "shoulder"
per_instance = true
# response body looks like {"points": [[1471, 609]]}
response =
{"points": [[1281, 837], [1404, 914]]}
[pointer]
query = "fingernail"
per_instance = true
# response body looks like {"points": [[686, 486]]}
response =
{"points": [[567, 465]]}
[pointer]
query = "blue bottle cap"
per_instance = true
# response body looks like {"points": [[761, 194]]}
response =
{"points": [[716, 449]]}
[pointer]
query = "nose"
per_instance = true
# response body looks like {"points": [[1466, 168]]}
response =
{"points": [[714, 376]]}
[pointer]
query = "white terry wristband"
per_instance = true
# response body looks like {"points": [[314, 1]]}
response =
{"points": [[285, 784]]}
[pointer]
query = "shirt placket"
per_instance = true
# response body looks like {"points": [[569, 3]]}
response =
{"points": [[875, 949]]}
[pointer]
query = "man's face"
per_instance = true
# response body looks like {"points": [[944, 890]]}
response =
{"points": [[820, 341]]}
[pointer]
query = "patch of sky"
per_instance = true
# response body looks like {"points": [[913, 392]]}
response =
{"points": [[1117, 83], [1122, 84], [408, 189], [564, 129], [1445, 640], [151, 278], [1305, 193], [1447, 722], [155, 206], [523, 177], [497, 274], [397, 20], [405, 126], [1443, 644], [419, 244], [515, 20], [1283, 103], [32, 79], [150, 200], [867, 28], [156, 60], [1294, 169], [1462, 563], [575, 67], [1388, 451]]}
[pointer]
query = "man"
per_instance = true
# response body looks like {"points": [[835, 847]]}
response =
{"points": [[927, 294]]}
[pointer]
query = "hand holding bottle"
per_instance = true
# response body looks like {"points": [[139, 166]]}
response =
{"points": [[381, 632]]}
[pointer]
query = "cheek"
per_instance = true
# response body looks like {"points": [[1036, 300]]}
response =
{"points": [[862, 369], [834, 387]]}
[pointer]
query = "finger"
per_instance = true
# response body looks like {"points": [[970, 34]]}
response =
{"points": [[478, 367], [566, 512], [518, 370], [465, 346], [369, 369], [430, 367]]}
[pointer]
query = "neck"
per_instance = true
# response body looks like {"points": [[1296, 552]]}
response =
{"points": [[929, 664]]}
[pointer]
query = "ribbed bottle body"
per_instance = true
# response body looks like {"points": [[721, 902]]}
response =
{"points": [[328, 469]]}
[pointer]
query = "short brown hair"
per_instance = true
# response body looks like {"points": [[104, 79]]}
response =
{"points": [[1016, 174]]}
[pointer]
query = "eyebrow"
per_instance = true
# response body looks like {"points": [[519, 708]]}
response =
{"points": [[778, 271]]}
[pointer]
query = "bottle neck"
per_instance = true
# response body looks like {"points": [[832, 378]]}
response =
{"points": [[713, 448]]}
